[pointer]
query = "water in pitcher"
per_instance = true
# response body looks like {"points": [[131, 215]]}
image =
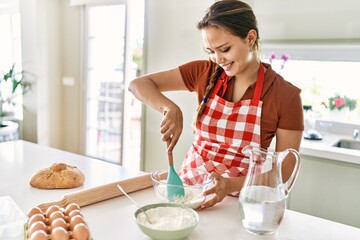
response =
{"points": [[262, 209]]}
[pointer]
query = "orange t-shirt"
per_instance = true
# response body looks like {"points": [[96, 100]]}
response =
{"points": [[282, 106]]}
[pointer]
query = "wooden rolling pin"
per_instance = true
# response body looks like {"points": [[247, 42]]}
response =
{"points": [[101, 193]]}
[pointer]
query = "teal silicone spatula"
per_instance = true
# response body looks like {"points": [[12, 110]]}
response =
{"points": [[175, 187]]}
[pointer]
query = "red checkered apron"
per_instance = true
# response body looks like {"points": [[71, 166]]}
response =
{"points": [[224, 129]]}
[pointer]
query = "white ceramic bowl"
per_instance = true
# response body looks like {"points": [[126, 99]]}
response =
{"points": [[195, 182], [168, 221]]}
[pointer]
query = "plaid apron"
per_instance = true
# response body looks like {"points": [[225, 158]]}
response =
{"points": [[224, 129]]}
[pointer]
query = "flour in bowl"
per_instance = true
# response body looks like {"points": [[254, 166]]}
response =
{"points": [[167, 218], [193, 197]]}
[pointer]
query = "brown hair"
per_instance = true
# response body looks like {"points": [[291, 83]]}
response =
{"points": [[237, 18]]}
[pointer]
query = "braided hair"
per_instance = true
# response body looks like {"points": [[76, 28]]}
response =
{"points": [[212, 81], [237, 18]]}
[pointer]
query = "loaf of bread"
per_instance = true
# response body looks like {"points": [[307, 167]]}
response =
{"points": [[58, 175]]}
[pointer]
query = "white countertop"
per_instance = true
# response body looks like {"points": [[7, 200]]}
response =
{"points": [[19, 160], [332, 132], [324, 149], [113, 219], [219, 222]]}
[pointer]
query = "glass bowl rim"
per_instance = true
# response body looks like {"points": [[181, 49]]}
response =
{"points": [[211, 178]]}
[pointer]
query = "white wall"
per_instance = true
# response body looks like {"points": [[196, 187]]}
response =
{"points": [[41, 53], [52, 49], [172, 39], [72, 96], [29, 28], [307, 19]]}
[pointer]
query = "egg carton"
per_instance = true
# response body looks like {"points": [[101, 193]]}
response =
{"points": [[56, 223]]}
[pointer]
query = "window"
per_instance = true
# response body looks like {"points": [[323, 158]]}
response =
{"points": [[319, 80], [113, 40], [321, 69], [10, 49]]}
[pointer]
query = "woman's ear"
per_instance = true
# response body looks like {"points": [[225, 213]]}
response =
{"points": [[251, 37]]}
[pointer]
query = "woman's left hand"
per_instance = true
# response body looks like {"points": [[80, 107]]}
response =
{"points": [[219, 191]]}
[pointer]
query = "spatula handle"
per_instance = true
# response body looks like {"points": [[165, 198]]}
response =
{"points": [[169, 154]]}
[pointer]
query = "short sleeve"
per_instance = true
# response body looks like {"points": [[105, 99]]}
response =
{"points": [[196, 73], [292, 116]]}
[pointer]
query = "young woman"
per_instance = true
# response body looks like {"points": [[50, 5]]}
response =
{"points": [[241, 101]]}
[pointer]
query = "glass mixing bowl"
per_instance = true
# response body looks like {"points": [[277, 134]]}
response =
{"points": [[195, 182]]}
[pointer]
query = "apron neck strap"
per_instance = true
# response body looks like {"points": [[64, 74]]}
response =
{"points": [[221, 82], [259, 83], [223, 79]]}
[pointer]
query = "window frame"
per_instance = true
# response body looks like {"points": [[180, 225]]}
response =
{"points": [[85, 69]]}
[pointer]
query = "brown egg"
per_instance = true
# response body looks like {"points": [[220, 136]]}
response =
{"points": [[62, 210], [71, 207], [33, 211], [52, 209], [39, 235], [37, 226], [59, 234], [75, 220], [74, 213], [36, 218], [55, 215], [59, 222], [81, 232]]}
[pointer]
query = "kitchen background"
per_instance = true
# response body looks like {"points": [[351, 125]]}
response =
{"points": [[321, 38], [81, 55], [80, 103]]}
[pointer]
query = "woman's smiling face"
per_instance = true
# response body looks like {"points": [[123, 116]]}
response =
{"points": [[227, 50]]}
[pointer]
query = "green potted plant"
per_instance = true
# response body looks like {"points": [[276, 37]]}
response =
{"points": [[340, 107], [12, 85], [341, 102]]}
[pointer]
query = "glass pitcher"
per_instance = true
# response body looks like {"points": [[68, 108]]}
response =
{"points": [[262, 199]]}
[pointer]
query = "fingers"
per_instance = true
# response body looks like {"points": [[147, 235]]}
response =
{"points": [[211, 202], [173, 142], [171, 127], [218, 191], [216, 175], [167, 132], [216, 187], [210, 191]]}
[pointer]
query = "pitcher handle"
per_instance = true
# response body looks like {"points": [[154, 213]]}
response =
{"points": [[290, 182]]}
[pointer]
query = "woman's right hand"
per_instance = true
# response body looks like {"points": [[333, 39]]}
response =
{"points": [[171, 126], [148, 89]]}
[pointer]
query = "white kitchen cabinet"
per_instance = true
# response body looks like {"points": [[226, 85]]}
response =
{"points": [[328, 189], [308, 19]]}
